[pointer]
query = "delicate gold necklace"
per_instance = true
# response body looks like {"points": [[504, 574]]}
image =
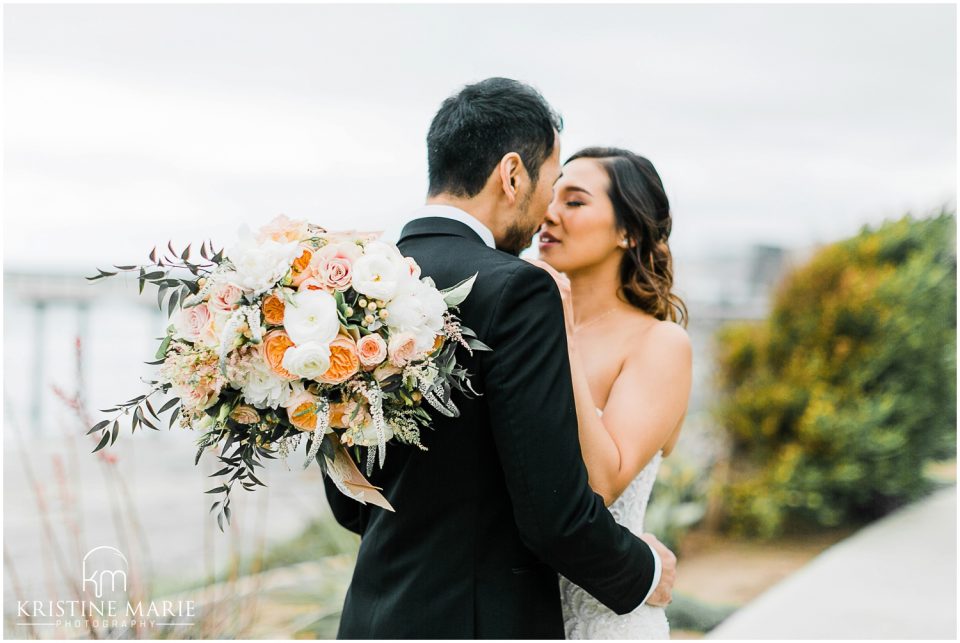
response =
{"points": [[580, 327]]}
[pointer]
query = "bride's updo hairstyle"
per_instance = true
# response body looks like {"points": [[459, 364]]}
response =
{"points": [[642, 213]]}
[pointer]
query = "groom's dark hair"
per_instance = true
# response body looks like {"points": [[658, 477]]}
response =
{"points": [[476, 127]]}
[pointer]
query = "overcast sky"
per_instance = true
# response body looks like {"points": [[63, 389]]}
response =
{"points": [[129, 125]]}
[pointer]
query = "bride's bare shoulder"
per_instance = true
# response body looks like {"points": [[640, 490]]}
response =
{"points": [[655, 338]]}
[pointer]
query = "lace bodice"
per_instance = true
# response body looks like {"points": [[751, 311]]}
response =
{"points": [[586, 618], [630, 508]]}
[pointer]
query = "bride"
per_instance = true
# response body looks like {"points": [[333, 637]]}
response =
{"points": [[606, 230]]}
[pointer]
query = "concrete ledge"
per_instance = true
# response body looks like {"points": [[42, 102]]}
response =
{"points": [[896, 579]]}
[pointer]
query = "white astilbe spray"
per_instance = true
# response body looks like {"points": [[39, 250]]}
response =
{"points": [[426, 378], [205, 289], [253, 321], [323, 423], [375, 398], [229, 335], [288, 445]]}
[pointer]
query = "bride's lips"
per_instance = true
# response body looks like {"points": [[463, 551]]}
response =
{"points": [[547, 240]]}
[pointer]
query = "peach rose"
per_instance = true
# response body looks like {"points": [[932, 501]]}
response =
{"points": [[275, 344], [245, 414], [385, 371], [272, 308], [225, 297], [312, 283], [301, 269], [341, 412], [344, 361], [302, 411], [372, 349], [402, 349], [283, 230]]}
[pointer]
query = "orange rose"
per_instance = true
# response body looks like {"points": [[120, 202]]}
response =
{"points": [[437, 344], [273, 310], [301, 270], [344, 361], [303, 415], [275, 344]]}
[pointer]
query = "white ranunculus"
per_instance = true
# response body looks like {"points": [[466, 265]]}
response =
{"points": [[311, 316], [417, 309], [384, 249], [309, 360], [378, 273], [260, 264], [263, 388]]}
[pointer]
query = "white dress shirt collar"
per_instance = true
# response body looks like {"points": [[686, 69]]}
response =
{"points": [[450, 212]]}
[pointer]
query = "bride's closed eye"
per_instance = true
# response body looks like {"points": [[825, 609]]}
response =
{"points": [[575, 204]]}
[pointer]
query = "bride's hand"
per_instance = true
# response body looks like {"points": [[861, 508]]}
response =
{"points": [[563, 284]]}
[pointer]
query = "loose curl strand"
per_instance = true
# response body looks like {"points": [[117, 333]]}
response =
{"points": [[642, 213]]}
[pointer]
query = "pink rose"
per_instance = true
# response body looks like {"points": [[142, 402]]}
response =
{"points": [[199, 397], [372, 349], [336, 273], [225, 297], [193, 324], [402, 349]]}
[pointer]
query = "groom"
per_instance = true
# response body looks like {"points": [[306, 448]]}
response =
{"points": [[500, 502]]}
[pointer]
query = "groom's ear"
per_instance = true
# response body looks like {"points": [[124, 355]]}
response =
{"points": [[511, 172]]}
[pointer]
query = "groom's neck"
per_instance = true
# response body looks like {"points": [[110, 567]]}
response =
{"points": [[479, 207]]}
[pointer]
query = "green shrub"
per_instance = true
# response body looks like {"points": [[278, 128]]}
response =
{"points": [[678, 502], [837, 401]]}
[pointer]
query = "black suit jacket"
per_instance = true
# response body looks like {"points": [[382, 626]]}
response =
{"points": [[500, 502]]}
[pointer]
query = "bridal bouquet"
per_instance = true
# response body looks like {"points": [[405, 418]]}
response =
{"points": [[298, 332]]}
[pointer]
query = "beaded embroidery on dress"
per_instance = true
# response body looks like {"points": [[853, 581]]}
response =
{"points": [[584, 617]]}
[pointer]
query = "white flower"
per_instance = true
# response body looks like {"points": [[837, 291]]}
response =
{"points": [[309, 360], [262, 387], [417, 309], [378, 272], [260, 265], [366, 435], [311, 316]]}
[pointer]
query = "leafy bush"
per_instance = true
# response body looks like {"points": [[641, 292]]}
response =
{"points": [[678, 502], [836, 402]]}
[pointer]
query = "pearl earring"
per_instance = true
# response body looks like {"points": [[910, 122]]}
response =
{"points": [[624, 243]]}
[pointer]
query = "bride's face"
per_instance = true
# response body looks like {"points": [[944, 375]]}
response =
{"points": [[580, 229]]}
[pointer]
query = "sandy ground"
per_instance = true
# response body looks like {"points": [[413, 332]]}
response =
{"points": [[722, 570]]}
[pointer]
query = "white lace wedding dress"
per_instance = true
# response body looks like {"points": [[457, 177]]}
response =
{"points": [[584, 617]]}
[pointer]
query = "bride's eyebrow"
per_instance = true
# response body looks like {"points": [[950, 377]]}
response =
{"points": [[574, 188]]}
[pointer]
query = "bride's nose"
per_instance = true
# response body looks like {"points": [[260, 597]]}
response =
{"points": [[552, 217]]}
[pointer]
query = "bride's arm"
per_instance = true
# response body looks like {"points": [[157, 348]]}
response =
{"points": [[645, 406]]}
